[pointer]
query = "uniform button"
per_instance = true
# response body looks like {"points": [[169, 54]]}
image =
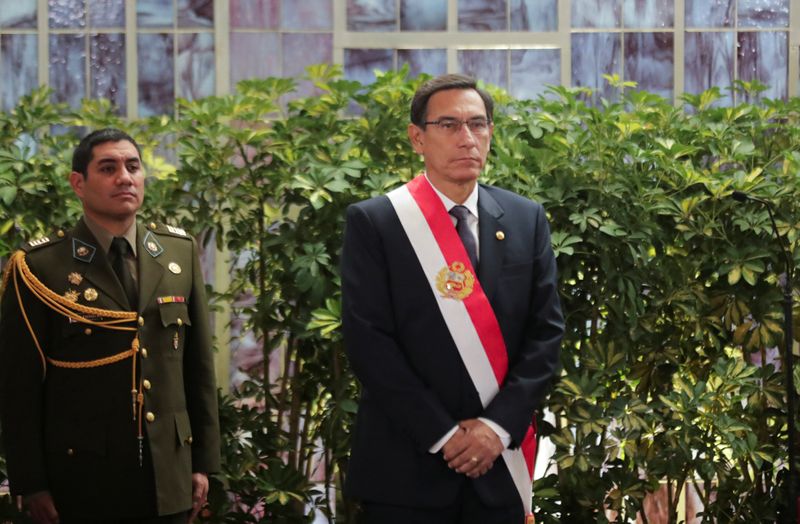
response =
{"points": [[152, 225], [60, 233], [180, 322], [88, 331], [144, 352], [141, 321], [70, 451], [189, 439], [150, 416], [146, 384]]}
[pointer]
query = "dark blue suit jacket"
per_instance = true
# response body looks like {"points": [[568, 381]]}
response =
{"points": [[415, 386]]}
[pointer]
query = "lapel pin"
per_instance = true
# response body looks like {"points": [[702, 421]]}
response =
{"points": [[500, 235], [90, 294], [75, 278], [174, 267]]}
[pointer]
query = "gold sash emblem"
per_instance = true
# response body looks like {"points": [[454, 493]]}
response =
{"points": [[455, 282]]}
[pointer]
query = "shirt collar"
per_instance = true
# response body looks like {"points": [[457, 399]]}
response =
{"points": [[104, 236], [471, 203]]}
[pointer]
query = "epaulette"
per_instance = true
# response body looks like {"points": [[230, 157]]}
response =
{"points": [[41, 242], [168, 230]]}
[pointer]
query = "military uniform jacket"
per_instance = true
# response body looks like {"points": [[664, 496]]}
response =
{"points": [[72, 431]]}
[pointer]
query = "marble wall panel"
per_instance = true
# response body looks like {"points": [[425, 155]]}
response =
{"points": [[534, 15], [156, 74], [423, 15], [155, 13], [430, 61], [66, 14], [649, 59], [709, 62], [196, 72], [107, 14], [763, 56], [489, 65], [257, 14], [254, 55], [596, 13], [308, 14], [764, 13], [67, 68], [649, 13], [371, 15], [532, 70], [303, 50], [482, 15], [107, 69], [709, 13], [595, 55], [361, 64], [18, 68], [195, 13], [20, 13]]}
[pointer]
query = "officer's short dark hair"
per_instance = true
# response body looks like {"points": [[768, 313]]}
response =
{"points": [[419, 105], [82, 155]]}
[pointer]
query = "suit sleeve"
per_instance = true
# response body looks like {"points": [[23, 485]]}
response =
{"points": [[199, 379], [22, 389], [536, 362], [371, 341]]}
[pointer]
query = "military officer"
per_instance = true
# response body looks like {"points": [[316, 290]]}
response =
{"points": [[108, 400]]}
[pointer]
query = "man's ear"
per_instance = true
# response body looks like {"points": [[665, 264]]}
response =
{"points": [[76, 180], [415, 135]]}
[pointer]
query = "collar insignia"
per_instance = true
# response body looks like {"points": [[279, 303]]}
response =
{"points": [[82, 251], [152, 245]]}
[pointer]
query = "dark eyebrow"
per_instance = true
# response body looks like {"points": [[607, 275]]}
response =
{"points": [[114, 160]]}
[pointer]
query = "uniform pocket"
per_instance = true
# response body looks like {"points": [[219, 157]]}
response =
{"points": [[183, 429], [174, 313]]}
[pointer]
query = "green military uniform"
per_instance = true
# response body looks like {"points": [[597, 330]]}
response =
{"points": [[77, 392]]}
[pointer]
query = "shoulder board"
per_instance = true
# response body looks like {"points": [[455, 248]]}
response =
{"points": [[168, 230], [41, 242]]}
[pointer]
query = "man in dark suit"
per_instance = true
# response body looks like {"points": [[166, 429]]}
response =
{"points": [[453, 332], [108, 400]]}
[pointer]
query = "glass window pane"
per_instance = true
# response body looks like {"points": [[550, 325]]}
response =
{"points": [[430, 61], [259, 14], [65, 14], [107, 69], [532, 70], [195, 13], [19, 13], [67, 70], [482, 15], [360, 64], [763, 13], [596, 13], [107, 13], [303, 50], [763, 56], [156, 74], [595, 55], [254, 55], [155, 13], [534, 15], [708, 62], [649, 59], [649, 13], [308, 14], [18, 68], [423, 15], [489, 65], [196, 72], [709, 13], [371, 15]]}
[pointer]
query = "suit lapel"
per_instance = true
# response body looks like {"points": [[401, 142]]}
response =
{"points": [[491, 248], [150, 269], [98, 271]]}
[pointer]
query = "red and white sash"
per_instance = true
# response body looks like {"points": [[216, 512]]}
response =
{"points": [[464, 306]]}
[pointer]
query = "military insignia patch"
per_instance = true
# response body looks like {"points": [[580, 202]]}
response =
{"points": [[82, 251], [71, 295], [39, 241], [75, 278], [177, 231], [174, 267], [151, 245], [90, 294], [456, 281]]}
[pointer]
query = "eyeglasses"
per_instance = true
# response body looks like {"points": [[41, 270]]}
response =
{"points": [[451, 126]]}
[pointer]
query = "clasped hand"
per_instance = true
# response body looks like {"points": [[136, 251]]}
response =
{"points": [[473, 449]]}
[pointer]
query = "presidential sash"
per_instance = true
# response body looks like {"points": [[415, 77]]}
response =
{"points": [[466, 309]]}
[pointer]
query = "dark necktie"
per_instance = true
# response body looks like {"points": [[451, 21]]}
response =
{"points": [[467, 238], [119, 248]]}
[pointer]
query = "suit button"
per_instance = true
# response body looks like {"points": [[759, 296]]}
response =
{"points": [[88, 331], [143, 352], [70, 452], [150, 416], [141, 321], [146, 384], [188, 440]]}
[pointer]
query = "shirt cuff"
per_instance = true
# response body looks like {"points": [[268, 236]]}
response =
{"points": [[442, 441], [505, 436]]}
